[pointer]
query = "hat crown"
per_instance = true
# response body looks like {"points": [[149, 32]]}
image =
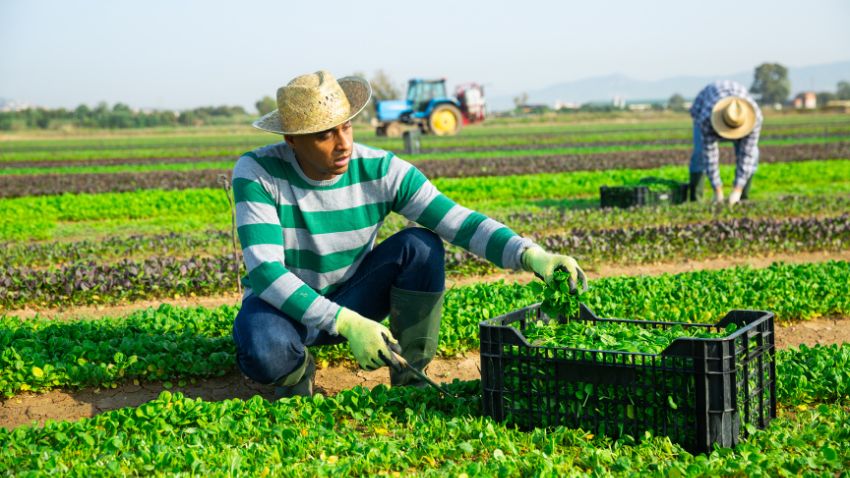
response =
{"points": [[733, 117], [733, 114], [313, 102]]}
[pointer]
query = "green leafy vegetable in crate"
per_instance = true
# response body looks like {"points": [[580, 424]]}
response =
{"points": [[560, 383], [618, 337], [658, 185], [557, 301]]}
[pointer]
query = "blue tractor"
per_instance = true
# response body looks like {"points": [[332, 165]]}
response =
{"points": [[430, 109]]}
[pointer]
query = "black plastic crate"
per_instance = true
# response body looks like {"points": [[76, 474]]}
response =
{"points": [[699, 392], [673, 192]]}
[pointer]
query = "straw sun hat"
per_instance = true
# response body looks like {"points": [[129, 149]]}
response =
{"points": [[316, 102], [733, 117]]}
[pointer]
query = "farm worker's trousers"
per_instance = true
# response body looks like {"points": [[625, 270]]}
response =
{"points": [[404, 271], [698, 167]]}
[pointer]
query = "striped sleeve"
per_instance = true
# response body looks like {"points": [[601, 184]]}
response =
{"points": [[261, 237], [420, 201]]}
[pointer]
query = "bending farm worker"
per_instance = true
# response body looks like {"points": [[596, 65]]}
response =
{"points": [[308, 211], [724, 111]]}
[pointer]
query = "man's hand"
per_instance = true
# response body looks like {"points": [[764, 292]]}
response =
{"points": [[718, 194], [371, 342], [735, 196], [536, 260]]}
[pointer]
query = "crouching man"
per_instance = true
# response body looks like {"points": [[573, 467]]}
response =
{"points": [[308, 210]]}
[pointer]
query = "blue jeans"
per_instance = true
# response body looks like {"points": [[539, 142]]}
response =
{"points": [[697, 165], [270, 344]]}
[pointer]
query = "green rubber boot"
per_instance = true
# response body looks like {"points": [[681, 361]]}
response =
{"points": [[696, 186], [746, 193], [415, 323]]}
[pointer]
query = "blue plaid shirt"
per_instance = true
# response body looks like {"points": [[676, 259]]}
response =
{"points": [[746, 148]]}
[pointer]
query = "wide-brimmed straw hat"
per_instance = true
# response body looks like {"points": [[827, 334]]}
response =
{"points": [[733, 117], [316, 102]]}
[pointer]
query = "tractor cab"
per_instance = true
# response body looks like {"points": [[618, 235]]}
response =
{"points": [[420, 93]]}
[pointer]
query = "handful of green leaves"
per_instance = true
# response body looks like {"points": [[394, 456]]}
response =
{"points": [[624, 337], [557, 299]]}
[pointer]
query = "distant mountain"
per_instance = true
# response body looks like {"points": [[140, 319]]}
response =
{"points": [[604, 88]]}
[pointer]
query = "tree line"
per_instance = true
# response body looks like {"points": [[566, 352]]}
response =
{"points": [[121, 116], [118, 116]]}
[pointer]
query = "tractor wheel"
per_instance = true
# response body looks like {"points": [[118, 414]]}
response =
{"points": [[445, 120], [394, 129]]}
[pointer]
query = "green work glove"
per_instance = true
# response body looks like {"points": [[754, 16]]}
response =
{"points": [[544, 265], [371, 342]]}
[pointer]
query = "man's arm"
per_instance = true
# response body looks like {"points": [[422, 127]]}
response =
{"points": [[747, 158], [420, 201], [261, 238]]}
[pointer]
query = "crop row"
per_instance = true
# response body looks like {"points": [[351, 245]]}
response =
{"points": [[173, 343], [104, 165], [164, 275], [634, 159], [797, 150], [683, 140], [383, 431], [526, 220], [124, 280], [210, 206], [182, 175], [585, 161], [93, 183], [515, 135], [114, 247], [638, 158], [815, 177], [554, 150], [740, 237], [500, 150], [523, 220]]}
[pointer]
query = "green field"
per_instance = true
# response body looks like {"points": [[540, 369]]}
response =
{"points": [[111, 261]]}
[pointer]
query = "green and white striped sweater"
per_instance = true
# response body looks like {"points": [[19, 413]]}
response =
{"points": [[302, 238]]}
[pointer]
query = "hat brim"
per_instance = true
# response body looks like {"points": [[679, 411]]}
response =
{"points": [[356, 89], [724, 130]]}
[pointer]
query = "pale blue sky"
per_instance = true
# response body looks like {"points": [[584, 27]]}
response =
{"points": [[182, 54]]}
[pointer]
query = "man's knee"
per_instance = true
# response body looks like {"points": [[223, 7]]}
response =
{"points": [[426, 243], [267, 346], [268, 364], [423, 261]]}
